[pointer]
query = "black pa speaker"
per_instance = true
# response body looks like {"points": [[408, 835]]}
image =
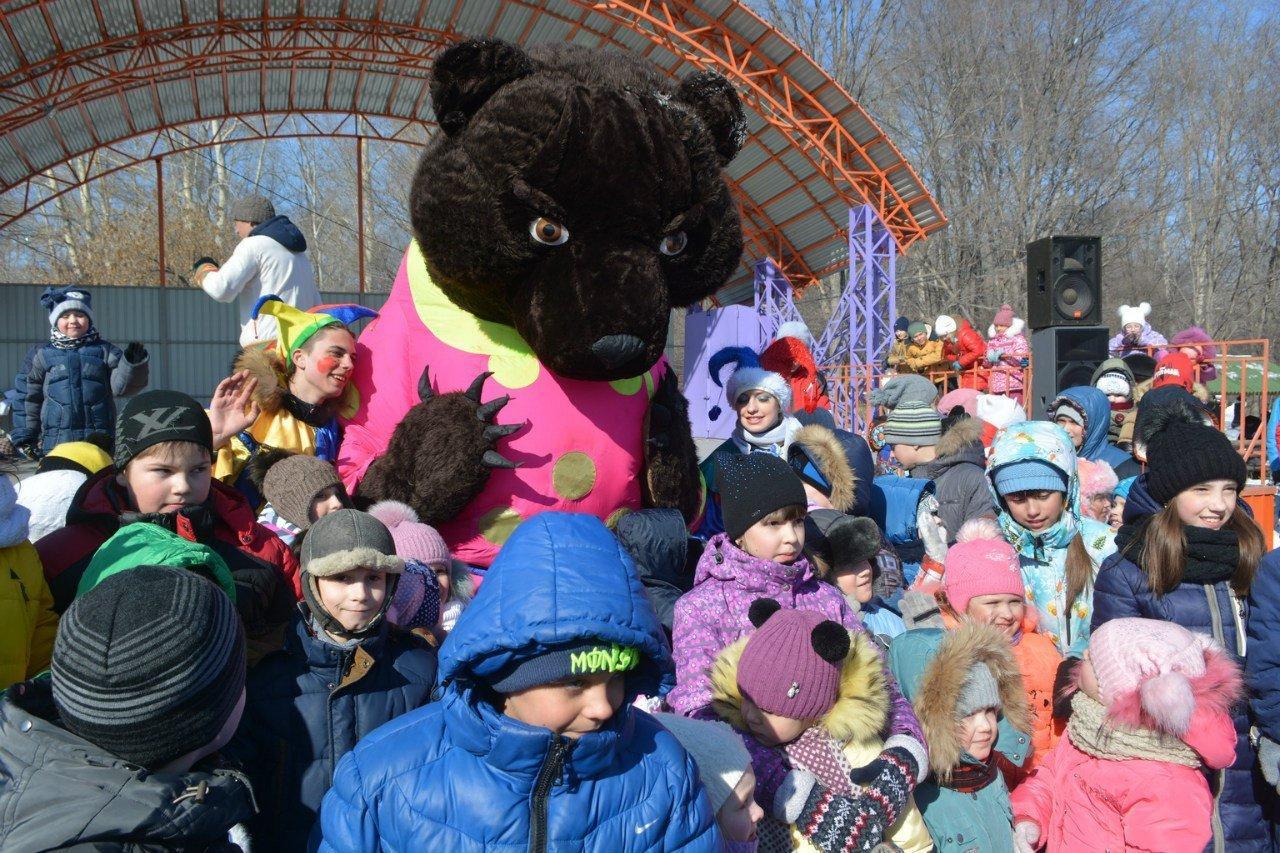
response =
{"points": [[1064, 282], [1064, 357]]}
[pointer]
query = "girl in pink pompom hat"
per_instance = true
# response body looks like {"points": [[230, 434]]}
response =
{"points": [[1150, 715], [1007, 354]]}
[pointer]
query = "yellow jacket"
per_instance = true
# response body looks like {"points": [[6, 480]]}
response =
{"points": [[898, 354], [922, 359], [27, 621]]}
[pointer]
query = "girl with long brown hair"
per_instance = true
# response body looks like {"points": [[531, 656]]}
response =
{"points": [[1188, 554]]}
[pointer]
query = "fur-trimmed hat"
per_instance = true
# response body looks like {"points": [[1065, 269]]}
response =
{"points": [[347, 539], [1155, 674], [1134, 314], [748, 375], [818, 458]]}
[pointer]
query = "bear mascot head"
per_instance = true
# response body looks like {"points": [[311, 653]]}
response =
{"points": [[570, 200]]}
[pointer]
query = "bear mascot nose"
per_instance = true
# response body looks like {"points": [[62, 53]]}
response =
{"points": [[616, 350]]}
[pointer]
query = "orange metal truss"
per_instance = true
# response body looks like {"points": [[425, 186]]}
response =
{"points": [[62, 62]]}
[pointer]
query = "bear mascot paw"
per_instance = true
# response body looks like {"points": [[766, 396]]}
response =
{"points": [[572, 198]]}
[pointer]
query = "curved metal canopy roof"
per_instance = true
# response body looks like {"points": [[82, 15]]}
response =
{"points": [[79, 78]]}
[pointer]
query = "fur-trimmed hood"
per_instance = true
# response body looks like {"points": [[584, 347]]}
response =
{"points": [[959, 437], [860, 714], [824, 451], [1015, 328], [931, 666], [268, 368]]}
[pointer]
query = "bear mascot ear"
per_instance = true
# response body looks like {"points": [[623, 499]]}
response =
{"points": [[467, 74], [716, 102]]}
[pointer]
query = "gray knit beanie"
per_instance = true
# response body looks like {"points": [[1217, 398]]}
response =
{"points": [[254, 209], [980, 691], [149, 664]]}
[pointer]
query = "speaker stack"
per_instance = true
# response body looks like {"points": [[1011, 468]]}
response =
{"points": [[1064, 313]]}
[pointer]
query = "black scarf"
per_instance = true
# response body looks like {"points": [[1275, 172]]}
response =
{"points": [[1212, 555], [312, 414]]}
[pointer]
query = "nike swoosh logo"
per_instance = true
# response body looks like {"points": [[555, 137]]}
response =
{"points": [[640, 829]]}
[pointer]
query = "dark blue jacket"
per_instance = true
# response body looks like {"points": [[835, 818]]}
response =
{"points": [[1262, 665], [894, 503], [307, 706], [459, 775], [71, 392], [283, 231], [1245, 803]]}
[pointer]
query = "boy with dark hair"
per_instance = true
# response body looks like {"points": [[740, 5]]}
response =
{"points": [[539, 678], [344, 671]]}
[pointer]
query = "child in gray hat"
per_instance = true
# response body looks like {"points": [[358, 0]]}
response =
{"points": [[344, 671]]}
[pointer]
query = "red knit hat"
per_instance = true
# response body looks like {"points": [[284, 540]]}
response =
{"points": [[791, 665], [980, 563], [1175, 369]]}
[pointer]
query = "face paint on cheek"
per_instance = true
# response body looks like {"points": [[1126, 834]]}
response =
{"points": [[326, 364]]}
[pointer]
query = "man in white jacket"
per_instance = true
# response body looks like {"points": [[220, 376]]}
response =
{"points": [[270, 258]]}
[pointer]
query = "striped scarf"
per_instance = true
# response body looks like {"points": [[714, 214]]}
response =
{"points": [[61, 341]]}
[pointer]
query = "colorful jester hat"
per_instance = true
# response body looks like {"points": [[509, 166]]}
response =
{"points": [[298, 326]]}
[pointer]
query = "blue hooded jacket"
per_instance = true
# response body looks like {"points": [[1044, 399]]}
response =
{"points": [[459, 775], [894, 503], [1097, 414]]}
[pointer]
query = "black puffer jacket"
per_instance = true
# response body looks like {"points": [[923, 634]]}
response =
{"points": [[60, 792]]}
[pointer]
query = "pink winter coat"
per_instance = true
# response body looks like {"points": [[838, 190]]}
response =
{"points": [[1006, 372], [581, 452], [1085, 803]]}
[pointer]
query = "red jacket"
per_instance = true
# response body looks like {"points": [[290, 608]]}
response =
{"points": [[969, 349], [95, 515]]}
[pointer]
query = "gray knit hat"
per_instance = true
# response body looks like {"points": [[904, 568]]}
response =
{"points": [[347, 539], [913, 423], [294, 482], [149, 664], [980, 691], [253, 209]]}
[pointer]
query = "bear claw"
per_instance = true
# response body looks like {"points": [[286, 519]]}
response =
{"points": [[494, 459]]}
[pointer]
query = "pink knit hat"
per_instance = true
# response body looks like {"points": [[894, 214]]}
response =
{"points": [[980, 563], [1096, 478], [414, 540], [1004, 317], [965, 398], [791, 664], [1155, 674]]}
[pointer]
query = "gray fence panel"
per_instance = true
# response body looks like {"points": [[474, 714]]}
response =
{"points": [[191, 338]]}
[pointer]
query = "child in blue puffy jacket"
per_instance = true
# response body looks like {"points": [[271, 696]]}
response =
{"points": [[72, 381], [535, 743]]}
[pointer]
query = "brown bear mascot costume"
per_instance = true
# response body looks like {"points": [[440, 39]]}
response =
{"points": [[572, 198]]}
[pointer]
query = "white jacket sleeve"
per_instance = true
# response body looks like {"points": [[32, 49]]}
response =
{"points": [[225, 284]]}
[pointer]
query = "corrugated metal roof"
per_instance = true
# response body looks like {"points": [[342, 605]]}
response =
{"points": [[126, 67]]}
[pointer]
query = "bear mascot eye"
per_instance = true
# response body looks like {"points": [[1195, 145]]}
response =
{"points": [[673, 244], [548, 232]]}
